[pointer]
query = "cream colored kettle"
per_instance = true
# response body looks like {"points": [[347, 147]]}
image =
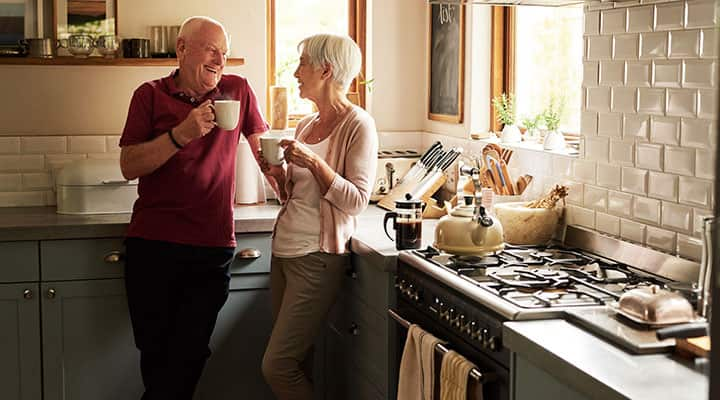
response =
{"points": [[469, 230]]}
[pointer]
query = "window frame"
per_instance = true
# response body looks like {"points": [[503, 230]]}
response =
{"points": [[357, 27]]}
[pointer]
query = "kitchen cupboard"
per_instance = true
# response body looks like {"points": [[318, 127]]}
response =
{"points": [[530, 382], [65, 299]]}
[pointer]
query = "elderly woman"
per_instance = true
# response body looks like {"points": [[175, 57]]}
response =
{"points": [[324, 184]]}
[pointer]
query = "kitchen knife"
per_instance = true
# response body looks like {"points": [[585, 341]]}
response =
{"points": [[418, 166]]}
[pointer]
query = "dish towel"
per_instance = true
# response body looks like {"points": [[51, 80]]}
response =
{"points": [[454, 373], [417, 366]]}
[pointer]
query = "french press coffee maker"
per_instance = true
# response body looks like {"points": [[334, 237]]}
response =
{"points": [[407, 223]]}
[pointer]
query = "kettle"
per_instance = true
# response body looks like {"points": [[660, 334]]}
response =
{"points": [[469, 230]]}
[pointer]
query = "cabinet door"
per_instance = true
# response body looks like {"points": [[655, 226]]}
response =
{"points": [[343, 378], [20, 376], [238, 344], [88, 347]]}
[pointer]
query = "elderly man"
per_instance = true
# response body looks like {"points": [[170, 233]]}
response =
{"points": [[181, 239]]}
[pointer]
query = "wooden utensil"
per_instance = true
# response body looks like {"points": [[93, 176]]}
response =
{"points": [[521, 184], [508, 180], [505, 155], [492, 166], [698, 347]]}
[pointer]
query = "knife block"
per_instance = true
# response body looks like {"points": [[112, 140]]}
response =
{"points": [[398, 192]]}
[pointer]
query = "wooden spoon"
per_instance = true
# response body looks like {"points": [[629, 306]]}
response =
{"points": [[521, 184]]}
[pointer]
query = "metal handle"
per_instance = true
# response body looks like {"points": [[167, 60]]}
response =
{"points": [[114, 256], [248, 254], [115, 182], [28, 294], [50, 294], [354, 329]]}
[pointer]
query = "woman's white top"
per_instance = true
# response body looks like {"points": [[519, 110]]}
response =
{"points": [[297, 230]]}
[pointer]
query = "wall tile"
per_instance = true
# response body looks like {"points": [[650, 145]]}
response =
{"points": [[10, 182], [676, 217], [588, 123], [595, 198], [599, 47], [37, 181], [608, 176], [584, 171], [640, 19], [700, 74], [607, 223], [50, 198], [22, 199], [591, 73], [9, 145], [598, 99], [654, 45], [689, 247], [621, 152], [580, 216], [632, 231], [680, 160], [684, 44], [707, 104], [699, 220], [597, 148], [709, 43], [669, 16], [17, 163], [610, 124], [634, 180], [705, 163], [624, 99], [86, 144], [681, 102], [638, 73], [667, 73], [104, 156], [576, 192], [651, 101], [612, 73], [562, 166], [43, 144], [55, 161], [664, 130], [696, 192], [661, 239], [592, 22], [699, 133], [662, 186], [701, 13], [636, 127], [620, 203], [626, 47], [112, 144], [613, 21], [646, 210], [649, 156]]}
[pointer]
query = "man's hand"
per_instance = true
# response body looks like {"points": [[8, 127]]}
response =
{"points": [[199, 122]]}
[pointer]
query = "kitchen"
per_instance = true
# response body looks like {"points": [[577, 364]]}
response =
{"points": [[38, 134]]}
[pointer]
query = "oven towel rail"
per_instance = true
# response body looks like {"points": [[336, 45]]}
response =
{"points": [[441, 350], [417, 377]]}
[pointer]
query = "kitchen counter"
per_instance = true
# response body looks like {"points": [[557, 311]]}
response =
{"points": [[598, 369]]}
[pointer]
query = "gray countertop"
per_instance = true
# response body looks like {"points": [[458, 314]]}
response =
{"points": [[600, 370]]}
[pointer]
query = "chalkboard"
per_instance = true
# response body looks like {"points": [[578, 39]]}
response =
{"points": [[446, 62]]}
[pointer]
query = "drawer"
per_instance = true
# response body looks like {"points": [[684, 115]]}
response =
{"points": [[248, 261], [371, 284], [82, 259], [20, 262]]}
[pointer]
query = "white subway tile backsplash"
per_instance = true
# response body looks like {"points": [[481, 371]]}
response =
{"points": [[580, 216], [651, 101], [664, 130], [640, 19], [654, 45], [592, 22], [663, 186], [660, 239], [607, 223], [632, 231], [689, 247], [669, 16], [621, 152], [667, 73], [624, 99], [699, 219], [684, 44], [701, 13], [599, 47], [613, 21], [707, 104], [86, 144], [597, 148], [676, 217], [104, 156], [705, 163], [591, 73], [22, 199], [610, 124], [37, 181], [696, 192], [43, 144], [112, 144], [709, 43], [9, 145], [10, 182], [584, 171], [635, 126], [575, 192], [681, 102], [612, 73], [646, 210], [598, 99], [634, 180], [17, 163], [700, 74], [562, 166], [699, 133], [595, 198], [608, 176], [638, 73], [626, 47], [55, 161], [588, 123], [649, 156], [680, 160], [620, 203]]}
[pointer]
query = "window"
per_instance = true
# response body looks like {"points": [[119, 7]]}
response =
{"points": [[289, 21], [537, 54]]}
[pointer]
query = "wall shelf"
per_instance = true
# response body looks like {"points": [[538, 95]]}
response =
{"points": [[95, 61]]}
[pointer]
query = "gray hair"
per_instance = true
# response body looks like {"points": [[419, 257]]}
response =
{"points": [[193, 24], [340, 51]]}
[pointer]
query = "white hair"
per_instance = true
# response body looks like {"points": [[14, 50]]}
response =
{"points": [[192, 24], [340, 51]]}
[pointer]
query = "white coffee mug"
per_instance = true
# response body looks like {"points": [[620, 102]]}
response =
{"points": [[270, 146], [227, 113]]}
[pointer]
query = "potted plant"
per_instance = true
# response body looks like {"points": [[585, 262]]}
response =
{"points": [[532, 127], [505, 114], [554, 139]]}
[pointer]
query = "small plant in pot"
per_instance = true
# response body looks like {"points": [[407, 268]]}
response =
{"points": [[554, 139], [532, 127], [505, 114]]}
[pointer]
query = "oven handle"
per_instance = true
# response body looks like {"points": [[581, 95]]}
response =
{"points": [[441, 350]]}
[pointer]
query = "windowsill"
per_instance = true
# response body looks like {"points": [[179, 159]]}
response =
{"points": [[535, 146]]}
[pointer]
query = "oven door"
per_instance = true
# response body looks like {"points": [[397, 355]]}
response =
{"points": [[492, 382]]}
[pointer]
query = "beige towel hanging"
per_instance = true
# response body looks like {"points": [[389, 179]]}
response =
{"points": [[454, 374], [417, 366]]}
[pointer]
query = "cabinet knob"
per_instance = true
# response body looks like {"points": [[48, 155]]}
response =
{"points": [[51, 293], [28, 294], [248, 254], [113, 257], [354, 329]]}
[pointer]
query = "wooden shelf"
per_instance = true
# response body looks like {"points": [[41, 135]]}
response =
{"points": [[95, 61]]}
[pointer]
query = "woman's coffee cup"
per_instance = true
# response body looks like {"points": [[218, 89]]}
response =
{"points": [[270, 146], [227, 113]]}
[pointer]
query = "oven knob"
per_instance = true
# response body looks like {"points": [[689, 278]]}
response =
{"points": [[484, 336], [460, 321], [418, 296], [493, 343], [450, 315], [471, 329]]}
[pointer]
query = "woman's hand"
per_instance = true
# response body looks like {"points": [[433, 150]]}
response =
{"points": [[276, 171], [298, 154]]}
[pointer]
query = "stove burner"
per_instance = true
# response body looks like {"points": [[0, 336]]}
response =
{"points": [[428, 253]]}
